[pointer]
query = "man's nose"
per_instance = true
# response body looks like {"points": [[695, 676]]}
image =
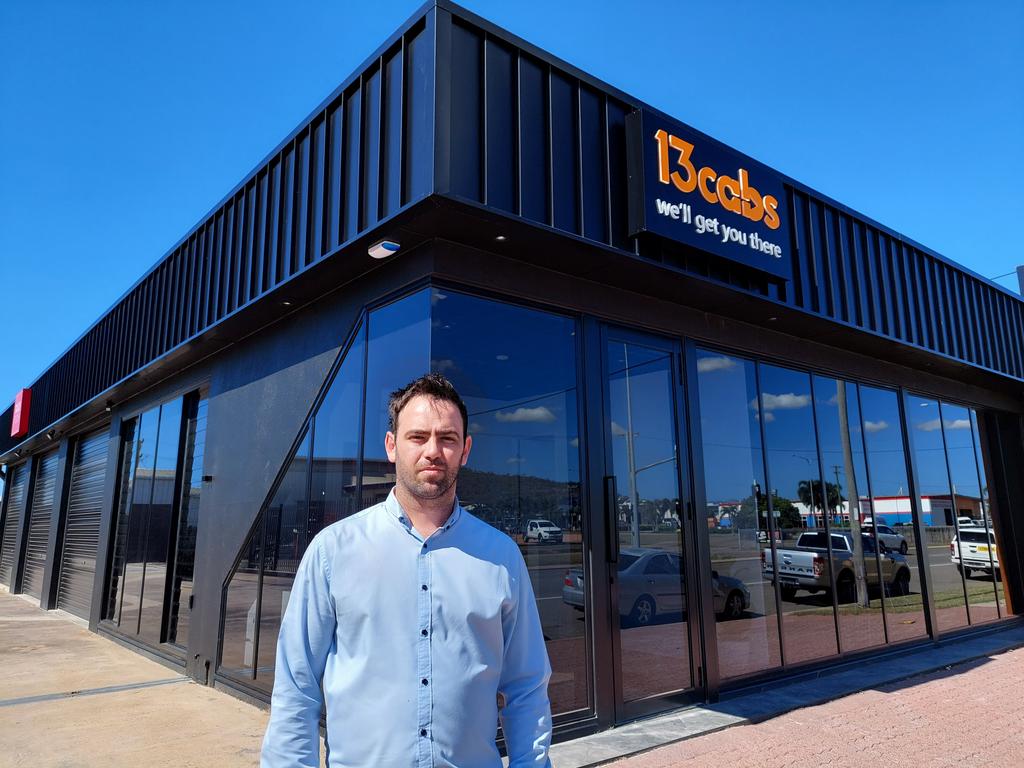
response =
{"points": [[432, 447]]}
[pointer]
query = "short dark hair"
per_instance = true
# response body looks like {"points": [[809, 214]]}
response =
{"points": [[433, 385]]}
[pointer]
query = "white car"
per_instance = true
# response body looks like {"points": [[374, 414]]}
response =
{"points": [[975, 550], [892, 538], [543, 532]]}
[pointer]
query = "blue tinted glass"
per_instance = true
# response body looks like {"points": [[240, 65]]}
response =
{"points": [[399, 351]]}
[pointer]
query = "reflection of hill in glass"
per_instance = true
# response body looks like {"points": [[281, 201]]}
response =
{"points": [[508, 501]]}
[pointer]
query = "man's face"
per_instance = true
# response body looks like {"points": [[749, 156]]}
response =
{"points": [[428, 447]]}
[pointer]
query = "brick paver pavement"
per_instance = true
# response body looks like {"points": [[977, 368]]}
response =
{"points": [[968, 715]]}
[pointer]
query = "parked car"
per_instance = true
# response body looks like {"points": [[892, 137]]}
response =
{"points": [[543, 532], [974, 549], [651, 585], [966, 522], [892, 538], [805, 566]]}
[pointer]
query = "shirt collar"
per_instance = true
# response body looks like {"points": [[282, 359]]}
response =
{"points": [[394, 508]]}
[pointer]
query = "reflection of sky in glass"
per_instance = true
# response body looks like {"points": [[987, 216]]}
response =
{"points": [[729, 429], [785, 406], [884, 441], [399, 352], [516, 370], [929, 454], [826, 403], [337, 420], [649, 411], [960, 449]]}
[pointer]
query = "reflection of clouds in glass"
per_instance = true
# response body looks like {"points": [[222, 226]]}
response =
{"points": [[539, 415], [515, 460], [711, 364], [575, 442], [617, 429], [476, 426], [437, 296], [875, 426], [934, 424], [440, 366], [768, 417], [785, 402]]}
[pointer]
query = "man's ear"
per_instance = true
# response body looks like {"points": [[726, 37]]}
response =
{"points": [[465, 449], [389, 446]]}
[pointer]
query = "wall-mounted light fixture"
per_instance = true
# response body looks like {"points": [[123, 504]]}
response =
{"points": [[51, 434], [383, 248], [109, 406]]}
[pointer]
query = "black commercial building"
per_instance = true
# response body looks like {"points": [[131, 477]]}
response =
{"points": [[739, 430]]}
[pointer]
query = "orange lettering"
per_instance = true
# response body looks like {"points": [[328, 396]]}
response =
{"points": [[684, 148], [730, 185], [771, 212], [704, 175], [752, 207]]}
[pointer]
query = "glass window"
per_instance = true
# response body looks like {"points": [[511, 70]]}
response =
{"points": [[238, 640], [334, 492], [970, 542], [288, 522], [891, 505], [737, 511], [938, 510], [399, 352], [837, 410], [989, 518], [284, 544], [188, 523], [162, 507], [801, 501], [641, 426], [516, 370], [125, 493], [138, 516]]}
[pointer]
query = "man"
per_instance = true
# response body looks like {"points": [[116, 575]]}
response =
{"points": [[416, 618]]}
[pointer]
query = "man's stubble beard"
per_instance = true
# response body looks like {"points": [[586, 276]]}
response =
{"points": [[428, 491]]}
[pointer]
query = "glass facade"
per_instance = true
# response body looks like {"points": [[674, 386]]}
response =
{"points": [[157, 517], [811, 524]]}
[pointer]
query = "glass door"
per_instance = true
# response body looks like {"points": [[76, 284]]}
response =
{"points": [[650, 552]]}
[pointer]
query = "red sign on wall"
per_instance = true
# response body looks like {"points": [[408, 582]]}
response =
{"points": [[19, 418]]}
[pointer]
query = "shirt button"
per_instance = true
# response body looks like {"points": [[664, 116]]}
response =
{"points": [[423, 731], [424, 681], [423, 632], [424, 587]]}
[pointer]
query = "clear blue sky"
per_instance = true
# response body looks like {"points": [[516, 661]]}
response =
{"points": [[123, 123]]}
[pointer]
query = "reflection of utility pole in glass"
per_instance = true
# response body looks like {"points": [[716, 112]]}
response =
{"points": [[634, 493], [851, 480]]}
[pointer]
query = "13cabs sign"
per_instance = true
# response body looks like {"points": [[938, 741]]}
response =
{"points": [[689, 188]]}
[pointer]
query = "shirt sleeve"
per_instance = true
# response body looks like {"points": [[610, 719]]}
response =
{"points": [[306, 636], [526, 715]]}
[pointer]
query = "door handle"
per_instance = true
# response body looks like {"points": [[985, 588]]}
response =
{"points": [[611, 514]]}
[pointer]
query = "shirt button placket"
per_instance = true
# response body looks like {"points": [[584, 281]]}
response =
{"points": [[423, 659]]}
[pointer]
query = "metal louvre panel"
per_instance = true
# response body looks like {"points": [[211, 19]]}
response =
{"points": [[12, 521], [40, 515], [82, 526]]}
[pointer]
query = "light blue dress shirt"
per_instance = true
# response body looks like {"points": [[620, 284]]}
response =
{"points": [[412, 639]]}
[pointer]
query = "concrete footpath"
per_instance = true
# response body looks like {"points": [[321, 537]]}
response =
{"points": [[71, 698]]}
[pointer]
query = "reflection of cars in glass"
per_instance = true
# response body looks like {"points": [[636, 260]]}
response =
{"points": [[804, 566], [651, 584], [542, 531], [892, 538], [971, 549]]}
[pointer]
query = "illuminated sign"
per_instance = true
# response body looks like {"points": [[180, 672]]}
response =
{"points": [[689, 188], [19, 416]]}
